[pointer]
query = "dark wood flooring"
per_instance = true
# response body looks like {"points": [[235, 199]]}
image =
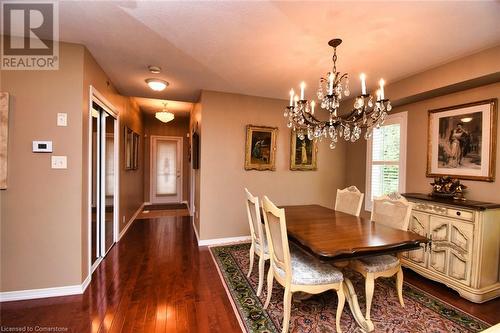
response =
{"points": [[158, 280], [155, 279]]}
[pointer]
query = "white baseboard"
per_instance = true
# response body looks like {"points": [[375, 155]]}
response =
{"points": [[86, 282], [19, 295], [196, 233], [218, 241], [132, 219]]}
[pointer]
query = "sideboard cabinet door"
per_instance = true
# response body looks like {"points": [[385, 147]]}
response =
{"points": [[461, 237], [419, 224]]}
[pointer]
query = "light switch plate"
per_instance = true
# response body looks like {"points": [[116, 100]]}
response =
{"points": [[62, 119], [59, 162]]}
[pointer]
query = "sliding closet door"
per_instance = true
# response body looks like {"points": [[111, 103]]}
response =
{"points": [[108, 179], [104, 181], [94, 210]]}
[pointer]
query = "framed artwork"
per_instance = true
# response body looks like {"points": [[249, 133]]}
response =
{"points": [[260, 148], [303, 153], [135, 151], [196, 150], [4, 132], [462, 141], [131, 140]]}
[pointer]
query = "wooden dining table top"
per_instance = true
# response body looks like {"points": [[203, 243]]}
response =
{"points": [[333, 235]]}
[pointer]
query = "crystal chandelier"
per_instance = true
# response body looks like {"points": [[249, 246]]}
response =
{"points": [[366, 113], [164, 115]]}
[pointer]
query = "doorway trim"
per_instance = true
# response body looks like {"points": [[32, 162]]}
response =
{"points": [[96, 96], [180, 155]]}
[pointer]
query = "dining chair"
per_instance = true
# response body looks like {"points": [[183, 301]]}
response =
{"points": [[394, 211], [295, 270], [349, 200], [259, 242]]}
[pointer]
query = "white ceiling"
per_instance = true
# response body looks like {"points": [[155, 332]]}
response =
{"points": [[152, 105], [263, 48]]}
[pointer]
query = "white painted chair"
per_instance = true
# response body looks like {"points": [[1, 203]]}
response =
{"points": [[295, 270], [394, 211], [259, 242], [349, 200]]}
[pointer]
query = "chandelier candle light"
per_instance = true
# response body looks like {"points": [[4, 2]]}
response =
{"points": [[365, 114]]}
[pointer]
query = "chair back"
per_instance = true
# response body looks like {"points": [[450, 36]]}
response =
{"points": [[392, 210], [253, 212], [277, 239], [349, 200]]}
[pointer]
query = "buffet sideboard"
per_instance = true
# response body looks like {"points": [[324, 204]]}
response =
{"points": [[464, 252]]}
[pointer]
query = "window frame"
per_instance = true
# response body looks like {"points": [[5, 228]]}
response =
{"points": [[400, 118]]}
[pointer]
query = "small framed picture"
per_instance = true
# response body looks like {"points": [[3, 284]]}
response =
{"points": [[260, 148], [303, 153], [462, 141]]}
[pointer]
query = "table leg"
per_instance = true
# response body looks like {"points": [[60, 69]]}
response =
{"points": [[352, 299]]}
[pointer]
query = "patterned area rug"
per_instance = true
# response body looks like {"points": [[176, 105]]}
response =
{"points": [[422, 312]]}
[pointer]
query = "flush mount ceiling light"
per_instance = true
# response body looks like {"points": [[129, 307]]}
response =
{"points": [[154, 69], [157, 84], [164, 115], [466, 119]]}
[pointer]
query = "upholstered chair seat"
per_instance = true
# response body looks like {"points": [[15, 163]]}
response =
{"points": [[307, 270], [379, 263], [265, 249]]}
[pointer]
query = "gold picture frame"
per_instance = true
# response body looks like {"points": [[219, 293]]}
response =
{"points": [[131, 140], [260, 148], [303, 153], [462, 141]]}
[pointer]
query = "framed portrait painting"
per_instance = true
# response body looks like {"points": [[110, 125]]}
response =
{"points": [[303, 153], [462, 141], [260, 148]]}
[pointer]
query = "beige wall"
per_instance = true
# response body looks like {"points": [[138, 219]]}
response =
{"points": [[416, 181], [223, 177], [41, 211], [178, 127], [44, 219]]}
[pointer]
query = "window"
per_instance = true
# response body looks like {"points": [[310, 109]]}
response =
{"points": [[386, 159]]}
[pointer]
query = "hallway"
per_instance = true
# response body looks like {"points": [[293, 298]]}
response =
{"points": [[154, 280]]}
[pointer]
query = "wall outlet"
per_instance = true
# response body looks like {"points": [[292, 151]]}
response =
{"points": [[59, 162], [62, 119]]}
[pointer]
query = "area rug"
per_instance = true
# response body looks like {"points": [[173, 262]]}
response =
{"points": [[422, 312]]}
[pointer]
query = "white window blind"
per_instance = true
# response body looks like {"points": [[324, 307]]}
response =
{"points": [[386, 158]]}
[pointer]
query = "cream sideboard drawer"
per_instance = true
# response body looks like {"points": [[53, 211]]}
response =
{"points": [[460, 214]]}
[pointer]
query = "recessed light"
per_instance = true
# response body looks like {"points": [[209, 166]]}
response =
{"points": [[157, 84], [154, 69]]}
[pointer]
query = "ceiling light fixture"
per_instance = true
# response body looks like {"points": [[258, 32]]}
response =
{"points": [[466, 119], [164, 115], [366, 114], [157, 84], [154, 69]]}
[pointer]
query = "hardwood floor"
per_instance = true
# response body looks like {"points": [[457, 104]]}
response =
{"points": [[158, 280], [155, 280]]}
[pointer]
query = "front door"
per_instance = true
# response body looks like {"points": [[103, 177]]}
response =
{"points": [[166, 169]]}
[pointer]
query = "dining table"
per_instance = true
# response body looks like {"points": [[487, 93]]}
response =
{"points": [[337, 237]]}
